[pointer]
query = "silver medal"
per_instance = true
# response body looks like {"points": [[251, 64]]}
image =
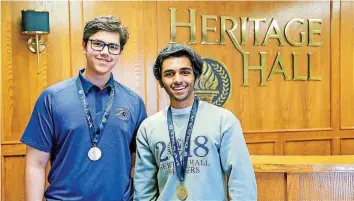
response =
{"points": [[94, 153]]}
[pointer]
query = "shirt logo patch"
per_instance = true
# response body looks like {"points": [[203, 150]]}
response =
{"points": [[122, 113]]}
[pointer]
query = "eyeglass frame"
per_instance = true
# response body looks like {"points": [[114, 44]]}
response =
{"points": [[104, 45]]}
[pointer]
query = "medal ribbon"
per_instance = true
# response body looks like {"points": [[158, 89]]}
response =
{"points": [[95, 135], [181, 163]]}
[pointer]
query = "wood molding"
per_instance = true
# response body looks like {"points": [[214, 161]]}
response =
{"points": [[310, 135], [289, 130], [336, 146], [303, 164], [11, 142], [347, 128], [309, 160], [13, 150], [292, 187], [1, 99], [335, 61], [302, 168]]}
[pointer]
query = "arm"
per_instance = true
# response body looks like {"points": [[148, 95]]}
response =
{"points": [[133, 164], [36, 163], [38, 137], [237, 164], [145, 177]]}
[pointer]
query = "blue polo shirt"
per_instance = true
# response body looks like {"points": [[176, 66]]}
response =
{"points": [[58, 125]]}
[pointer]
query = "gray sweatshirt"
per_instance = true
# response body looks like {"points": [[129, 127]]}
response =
{"points": [[217, 151]]}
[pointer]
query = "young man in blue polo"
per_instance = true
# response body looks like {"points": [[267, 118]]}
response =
{"points": [[85, 126], [191, 150]]}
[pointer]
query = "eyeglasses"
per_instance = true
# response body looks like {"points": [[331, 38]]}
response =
{"points": [[99, 45]]}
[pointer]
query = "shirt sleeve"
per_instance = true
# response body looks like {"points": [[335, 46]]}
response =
{"points": [[236, 162], [145, 176], [141, 117], [39, 131]]}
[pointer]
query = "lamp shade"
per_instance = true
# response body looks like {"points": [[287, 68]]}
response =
{"points": [[35, 22]]}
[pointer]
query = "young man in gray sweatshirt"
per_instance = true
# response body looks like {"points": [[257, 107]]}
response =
{"points": [[191, 150]]}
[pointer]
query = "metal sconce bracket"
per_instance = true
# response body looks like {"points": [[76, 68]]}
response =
{"points": [[36, 45], [32, 45]]}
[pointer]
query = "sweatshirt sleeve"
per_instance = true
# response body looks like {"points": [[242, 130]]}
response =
{"points": [[145, 175], [236, 162]]}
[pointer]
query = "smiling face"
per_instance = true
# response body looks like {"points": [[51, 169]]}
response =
{"points": [[178, 81], [101, 62]]}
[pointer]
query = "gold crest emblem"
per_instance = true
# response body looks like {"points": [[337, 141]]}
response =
{"points": [[214, 85]]}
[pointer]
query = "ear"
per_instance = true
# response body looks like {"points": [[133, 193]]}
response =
{"points": [[84, 45]]}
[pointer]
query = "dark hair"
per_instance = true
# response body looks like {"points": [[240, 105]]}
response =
{"points": [[178, 50], [106, 23]]}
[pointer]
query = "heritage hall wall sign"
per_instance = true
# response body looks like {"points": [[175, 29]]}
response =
{"points": [[284, 35]]}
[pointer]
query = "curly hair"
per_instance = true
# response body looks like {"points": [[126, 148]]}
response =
{"points": [[106, 23], [178, 50]]}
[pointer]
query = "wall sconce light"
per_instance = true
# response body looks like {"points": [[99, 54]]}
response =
{"points": [[35, 22]]}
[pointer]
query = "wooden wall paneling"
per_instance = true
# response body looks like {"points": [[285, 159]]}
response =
{"points": [[284, 105], [12, 171], [13, 178], [303, 164], [281, 138], [281, 105], [278, 183], [2, 48], [138, 56], [150, 49], [7, 78], [163, 29], [335, 146], [335, 139], [309, 147], [347, 146], [76, 31], [15, 149], [347, 65], [261, 148], [20, 83], [279, 147], [23, 85], [297, 135], [292, 184], [309, 178], [335, 63], [130, 68], [283, 118], [58, 52], [327, 186]]}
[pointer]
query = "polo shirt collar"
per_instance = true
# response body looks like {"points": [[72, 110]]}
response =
{"points": [[87, 85]]}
